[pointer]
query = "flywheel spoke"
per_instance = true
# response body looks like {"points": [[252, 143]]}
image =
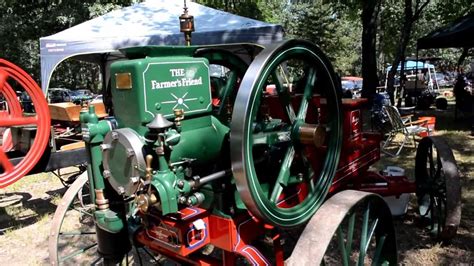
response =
{"points": [[284, 174], [284, 96], [291, 67], [7, 165], [3, 79], [307, 94], [18, 121]]}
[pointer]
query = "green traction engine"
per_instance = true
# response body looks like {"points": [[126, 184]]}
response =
{"points": [[213, 151]]}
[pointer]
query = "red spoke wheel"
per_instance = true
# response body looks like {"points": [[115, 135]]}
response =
{"points": [[9, 106], [13, 116]]}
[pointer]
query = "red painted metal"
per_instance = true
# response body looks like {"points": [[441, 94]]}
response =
{"points": [[169, 237], [13, 109], [8, 71], [180, 234], [234, 235]]}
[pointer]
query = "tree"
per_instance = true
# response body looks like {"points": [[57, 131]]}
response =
{"points": [[370, 11], [23, 22], [411, 14]]}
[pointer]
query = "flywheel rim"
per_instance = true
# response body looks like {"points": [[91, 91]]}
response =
{"points": [[244, 112], [42, 120]]}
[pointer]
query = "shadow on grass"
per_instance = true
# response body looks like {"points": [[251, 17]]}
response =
{"points": [[415, 245], [19, 210]]}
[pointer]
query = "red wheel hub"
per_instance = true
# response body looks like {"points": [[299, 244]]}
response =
{"points": [[13, 116]]}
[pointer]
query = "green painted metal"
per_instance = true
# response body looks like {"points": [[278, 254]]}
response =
{"points": [[363, 236], [226, 86], [161, 85], [262, 205], [108, 220], [165, 183], [202, 139], [93, 132], [344, 252]]}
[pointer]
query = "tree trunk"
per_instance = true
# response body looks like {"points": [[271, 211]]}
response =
{"points": [[410, 18], [465, 52], [370, 11]]}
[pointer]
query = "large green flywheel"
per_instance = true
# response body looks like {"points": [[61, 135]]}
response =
{"points": [[286, 133]]}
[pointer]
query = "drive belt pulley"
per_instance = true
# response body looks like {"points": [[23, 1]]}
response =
{"points": [[12, 77], [286, 133]]}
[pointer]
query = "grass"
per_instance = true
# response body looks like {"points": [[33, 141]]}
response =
{"points": [[415, 246]]}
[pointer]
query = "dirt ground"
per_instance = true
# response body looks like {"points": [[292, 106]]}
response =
{"points": [[27, 207]]}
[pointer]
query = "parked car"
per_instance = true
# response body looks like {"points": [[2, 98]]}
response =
{"points": [[81, 95], [351, 87], [443, 80], [59, 95], [98, 99]]}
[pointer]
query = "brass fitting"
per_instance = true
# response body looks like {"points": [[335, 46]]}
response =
{"points": [[144, 201], [100, 200], [178, 116]]}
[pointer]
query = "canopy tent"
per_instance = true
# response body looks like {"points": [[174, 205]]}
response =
{"points": [[412, 65], [458, 34], [153, 22]]}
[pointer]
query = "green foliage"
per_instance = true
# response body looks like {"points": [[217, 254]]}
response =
{"points": [[334, 25], [23, 22]]}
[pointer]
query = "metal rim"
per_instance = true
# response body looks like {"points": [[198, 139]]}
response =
{"points": [[333, 234], [11, 173], [246, 109], [56, 234], [438, 187], [85, 239]]}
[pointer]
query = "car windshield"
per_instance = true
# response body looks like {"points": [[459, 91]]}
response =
{"points": [[347, 85]]}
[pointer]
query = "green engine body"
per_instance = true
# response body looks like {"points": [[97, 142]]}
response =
{"points": [[160, 81], [174, 80]]}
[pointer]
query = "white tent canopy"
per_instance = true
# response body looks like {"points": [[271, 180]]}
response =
{"points": [[154, 22]]}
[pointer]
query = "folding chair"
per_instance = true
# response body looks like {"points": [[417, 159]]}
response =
{"points": [[404, 126]]}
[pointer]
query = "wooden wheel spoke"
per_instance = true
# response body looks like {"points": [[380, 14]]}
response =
{"points": [[18, 121]]}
